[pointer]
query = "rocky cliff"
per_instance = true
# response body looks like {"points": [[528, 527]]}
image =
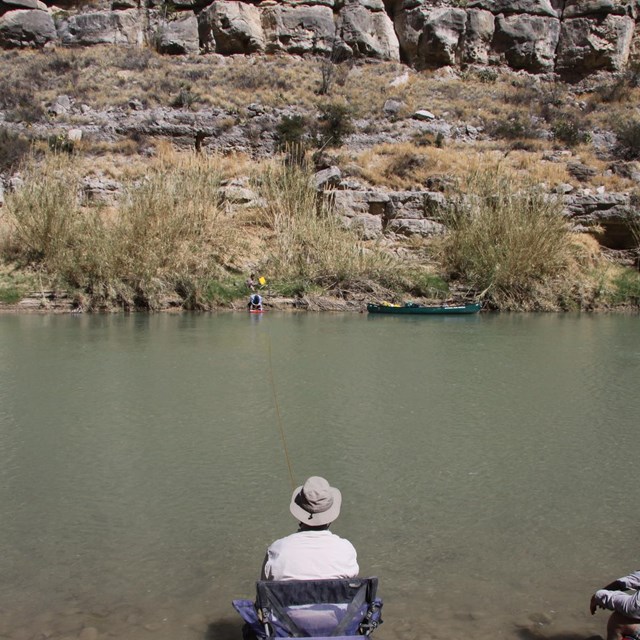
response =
{"points": [[572, 38]]}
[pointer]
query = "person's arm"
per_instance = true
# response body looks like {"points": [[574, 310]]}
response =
{"points": [[265, 571], [350, 561], [626, 603], [605, 599], [632, 581]]}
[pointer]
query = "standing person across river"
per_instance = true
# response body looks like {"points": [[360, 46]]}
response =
{"points": [[312, 552], [624, 622]]}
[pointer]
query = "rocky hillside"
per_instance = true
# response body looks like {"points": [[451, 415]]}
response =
{"points": [[395, 102], [572, 38]]}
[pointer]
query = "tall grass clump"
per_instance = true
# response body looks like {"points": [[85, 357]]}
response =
{"points": [[171, 232], [168, 236], [44, 215], [312, 247], [507, 238]]}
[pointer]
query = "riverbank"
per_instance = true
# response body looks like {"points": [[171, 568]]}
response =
{"points": [[335, 197]]}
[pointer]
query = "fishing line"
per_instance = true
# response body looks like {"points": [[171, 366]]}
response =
{"points": [[278, 415]]}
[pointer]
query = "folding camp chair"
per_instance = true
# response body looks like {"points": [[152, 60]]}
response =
{"points": [[317, 609]]}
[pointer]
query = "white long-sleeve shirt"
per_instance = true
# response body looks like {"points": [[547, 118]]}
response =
{"points": [[625, 603], [310, 555]]}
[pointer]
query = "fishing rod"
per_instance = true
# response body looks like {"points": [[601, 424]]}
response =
{"points": [[278, 415]]}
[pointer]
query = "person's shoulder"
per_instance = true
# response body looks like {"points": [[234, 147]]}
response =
{"points": [[340, 541], [281, 542]]}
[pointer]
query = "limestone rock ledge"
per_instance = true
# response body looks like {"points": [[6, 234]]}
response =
{"points": [[570, 37]]}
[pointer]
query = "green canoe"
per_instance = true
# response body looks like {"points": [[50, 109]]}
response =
{"points": [[411, 308]]}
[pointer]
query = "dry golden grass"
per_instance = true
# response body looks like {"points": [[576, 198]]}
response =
{"points": [[404, 165]]}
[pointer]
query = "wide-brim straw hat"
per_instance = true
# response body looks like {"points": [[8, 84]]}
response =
{"points": [[315, 503]]}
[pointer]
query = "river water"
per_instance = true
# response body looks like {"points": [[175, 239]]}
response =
{"points": [[486, 465]]}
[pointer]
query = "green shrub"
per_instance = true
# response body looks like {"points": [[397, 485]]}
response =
{"points": [[626, 288], [426, 285], [291, 130], [570, 132], [59, 143], [14, 147], [223, 291], [629, 139], [512, 129], [10, 295], [335, 123]]}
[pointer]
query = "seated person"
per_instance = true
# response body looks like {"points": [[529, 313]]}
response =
{"points": [[312, 552], [624, 622]]}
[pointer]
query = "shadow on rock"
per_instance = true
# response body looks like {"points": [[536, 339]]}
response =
{"points": [[227, 629]]}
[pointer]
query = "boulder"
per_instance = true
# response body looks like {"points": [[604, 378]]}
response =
{"points": [[179, 36], [415, 227], [528, 42], [370, 34], [610, 215], [327, 178], [481, 26], [19, 4], [103, 27], [409, 24], [414, 205], [26, 28], [231, 27], [440, 42], [368, 227], [551, 8], [350, 203], [59, 106], [361, 210], [597, 43], [581, 8], [299, 29]]}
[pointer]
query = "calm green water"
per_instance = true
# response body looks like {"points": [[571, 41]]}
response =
{"points": [[486, 465]]}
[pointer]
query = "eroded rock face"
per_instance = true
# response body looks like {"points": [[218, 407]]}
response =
{"points": [[551, 8], [369, 32], [232, 27], [591, 44], [179, 36], [580, 8], [103, 27], [571, 37], [26, 28], [299, 29], [528, 42]]}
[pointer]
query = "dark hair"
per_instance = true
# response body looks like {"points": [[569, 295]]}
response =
{"points": [[306, 527]]}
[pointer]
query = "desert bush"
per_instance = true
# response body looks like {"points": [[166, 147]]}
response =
{"points": [[291, 130], [186, 98], [13, 148], [570, 132], [335, 123], [404, 165], [505, 237], [515, 128], [628, 134]]}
